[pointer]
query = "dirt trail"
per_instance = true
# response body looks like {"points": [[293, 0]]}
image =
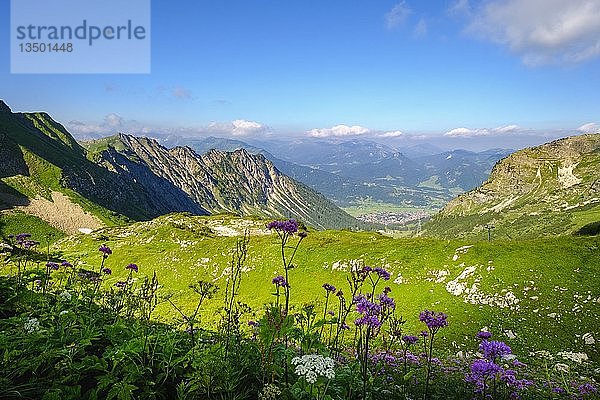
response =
{"points": [[61, 213]]}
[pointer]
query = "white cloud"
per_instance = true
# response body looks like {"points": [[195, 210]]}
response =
{"points": [[591, 127], [421, 28], [507, 129], [113, 120], [397, 15], [242, 127], [391, 134], [499, 131], [540, 31], [338, 131], [113, 123]]}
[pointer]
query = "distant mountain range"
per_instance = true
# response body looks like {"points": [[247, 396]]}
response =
{"points": [[546, 190], [140, 179], [349, 172]]}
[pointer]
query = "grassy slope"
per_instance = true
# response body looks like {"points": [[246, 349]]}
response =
{"points": [[563, 273], [17, 222], [39, 153], [545, 208]]}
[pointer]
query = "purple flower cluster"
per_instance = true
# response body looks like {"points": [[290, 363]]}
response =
{"points": [[410, 339], [492, 350], [106, 271], [369, 310], [483, 335], [23, 240], [433, 320], [279, 281], [105, 250], [481, 372], [132, 267], [329, 288], [290, 226], [66, 264], [383, 274], [486, 372], [386, 301], [52, 266], [586, 389]]}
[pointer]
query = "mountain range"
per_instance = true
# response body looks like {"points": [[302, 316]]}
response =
{"points": [[352, 171], [137, 178]]}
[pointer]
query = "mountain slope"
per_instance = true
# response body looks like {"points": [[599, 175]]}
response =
{"points": [[44, 172], [541, 191], [41, 160], [219, 181]]}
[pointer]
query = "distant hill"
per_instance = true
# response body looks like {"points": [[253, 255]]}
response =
{"points": [[540, 191], [45, 173]]}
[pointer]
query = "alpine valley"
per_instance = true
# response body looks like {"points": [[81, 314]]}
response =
{"points": [[513, 251]]}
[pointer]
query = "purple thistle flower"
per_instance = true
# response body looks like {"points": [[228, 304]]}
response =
{"points": [[107, 270], [66, 264], [424, 334], [339, 293], [290, 226], [383, 274], [410, 339], [52, 266], [493, 349], [132, 267], [483, 335], [253, 324], [279, 281], [105, 250], [434, 320], [329, 288]]}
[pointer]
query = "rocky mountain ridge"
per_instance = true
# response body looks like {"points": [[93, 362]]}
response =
{"points": [[136, 178], [220, 181]]}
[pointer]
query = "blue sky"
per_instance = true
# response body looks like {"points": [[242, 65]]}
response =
{"points": [[369, 68]]}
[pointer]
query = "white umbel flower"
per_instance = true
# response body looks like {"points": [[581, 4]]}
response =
{"points": [[31, 325], [312, 366], [65, 296]]}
